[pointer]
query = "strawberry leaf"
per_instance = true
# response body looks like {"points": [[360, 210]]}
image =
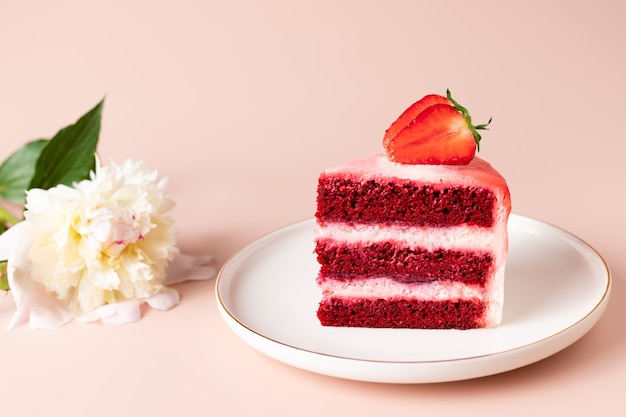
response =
{"points": [[70, 155], [468, 120], [17, 170]]}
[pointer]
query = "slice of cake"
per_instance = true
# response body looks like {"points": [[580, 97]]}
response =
{"points": [[420, 243]]}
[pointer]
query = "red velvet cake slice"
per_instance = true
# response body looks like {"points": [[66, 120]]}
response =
{"points": [[419, 246], [412, 245]]}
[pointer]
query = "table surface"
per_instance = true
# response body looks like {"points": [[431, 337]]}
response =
{"points": [[241, 104]]}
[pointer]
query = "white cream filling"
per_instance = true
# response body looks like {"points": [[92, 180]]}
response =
{"points": [[385, 287], [469, 238]]}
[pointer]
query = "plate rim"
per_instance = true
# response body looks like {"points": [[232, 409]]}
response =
{"points": [[597, 309]]}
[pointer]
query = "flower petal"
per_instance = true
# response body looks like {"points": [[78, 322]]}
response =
{"points": [[115, 313], [189, 268], [33, 304], [9, 239], [164, 300], [47, 312], [130, 311]]}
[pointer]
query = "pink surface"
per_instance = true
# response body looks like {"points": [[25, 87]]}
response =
{"points": [[238, 102]]}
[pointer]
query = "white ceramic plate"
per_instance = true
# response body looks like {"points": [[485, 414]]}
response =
{"points": [[556, 289]]}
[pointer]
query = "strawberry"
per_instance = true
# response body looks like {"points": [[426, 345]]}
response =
{"points": [[434, 130]]}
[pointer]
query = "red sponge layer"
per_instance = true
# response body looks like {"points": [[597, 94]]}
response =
{"points": [[401, 263], [403, 202], [399, 313]]}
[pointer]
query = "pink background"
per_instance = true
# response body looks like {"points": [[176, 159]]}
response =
{"points": [[241, 104]]}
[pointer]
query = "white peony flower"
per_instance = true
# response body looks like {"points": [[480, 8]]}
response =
{"points": [[96, 250]]}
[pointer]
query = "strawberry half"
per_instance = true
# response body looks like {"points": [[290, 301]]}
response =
{"points": [[435, 130], [409, 114]]}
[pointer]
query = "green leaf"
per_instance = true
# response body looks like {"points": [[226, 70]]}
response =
{"points": [[17, 170], [70, 155]]}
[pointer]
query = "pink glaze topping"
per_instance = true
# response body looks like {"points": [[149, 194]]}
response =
{"points": [[478, 173]]}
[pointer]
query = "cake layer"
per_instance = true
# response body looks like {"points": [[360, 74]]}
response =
{"points": [[374, 190], [387, 287], [402, 264], [402, 202], [402, 313]]}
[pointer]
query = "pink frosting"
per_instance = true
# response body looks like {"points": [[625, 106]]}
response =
{"points": [[477, 173]]}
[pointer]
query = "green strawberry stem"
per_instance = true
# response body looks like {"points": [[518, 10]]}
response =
{"points": [[468, 119]]}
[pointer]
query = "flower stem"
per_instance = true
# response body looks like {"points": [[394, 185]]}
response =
{"points": [[4, 280], [7, 218]]}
